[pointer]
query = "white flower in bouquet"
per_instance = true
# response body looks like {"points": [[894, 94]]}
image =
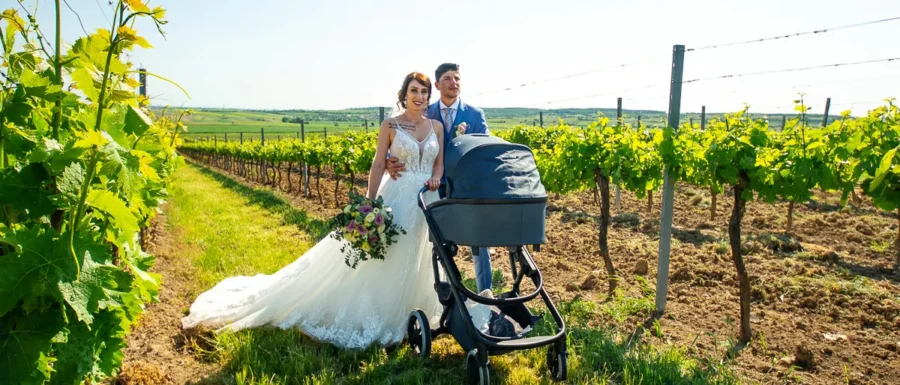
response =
{"points": [[367, 228]]}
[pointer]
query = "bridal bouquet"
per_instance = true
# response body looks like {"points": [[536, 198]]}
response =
{"points": [[368, 226]]}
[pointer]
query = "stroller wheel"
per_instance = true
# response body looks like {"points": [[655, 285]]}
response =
{"points": [[418, 333], [476, 373], [558, 363]]}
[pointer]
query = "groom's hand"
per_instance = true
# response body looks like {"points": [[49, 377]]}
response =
{"points": [[395, 167]]}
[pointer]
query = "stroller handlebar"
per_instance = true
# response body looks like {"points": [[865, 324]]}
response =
{"points": [[422, 192]]}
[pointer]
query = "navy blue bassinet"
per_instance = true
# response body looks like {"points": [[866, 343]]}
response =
{"points": [[494, 194]]}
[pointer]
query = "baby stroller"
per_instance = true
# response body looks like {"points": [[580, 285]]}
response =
{"points": [[494, 198]]}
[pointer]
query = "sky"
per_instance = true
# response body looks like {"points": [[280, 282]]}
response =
{"points": [[333, 54]]}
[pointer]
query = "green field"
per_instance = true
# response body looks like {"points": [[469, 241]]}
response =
{"points": [[234, 122], [217, 123]]}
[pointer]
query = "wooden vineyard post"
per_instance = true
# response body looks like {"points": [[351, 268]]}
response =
{"points": [[703, 118]]}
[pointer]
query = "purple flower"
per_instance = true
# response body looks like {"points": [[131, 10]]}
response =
{"points": [[379, 220], [373, 240], [365, 209], [351, 225], [361, 229]]}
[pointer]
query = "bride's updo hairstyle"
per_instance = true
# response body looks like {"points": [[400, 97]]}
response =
{"points": [[419, 77]]}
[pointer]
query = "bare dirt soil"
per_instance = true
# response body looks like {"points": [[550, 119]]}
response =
{"points": [[158, 351]]}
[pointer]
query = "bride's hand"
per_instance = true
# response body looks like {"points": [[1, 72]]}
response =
{"points": [[433, 183]]}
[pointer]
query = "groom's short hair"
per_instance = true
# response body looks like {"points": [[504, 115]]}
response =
{"points": [[444, 68]]}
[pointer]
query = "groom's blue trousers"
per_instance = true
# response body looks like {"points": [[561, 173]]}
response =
{"points": [[482, 268]]}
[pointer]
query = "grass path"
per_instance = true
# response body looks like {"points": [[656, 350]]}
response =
{"points": [[227, 229], [215, 227]]}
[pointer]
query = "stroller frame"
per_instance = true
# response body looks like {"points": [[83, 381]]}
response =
{"points": [[456, 319]]}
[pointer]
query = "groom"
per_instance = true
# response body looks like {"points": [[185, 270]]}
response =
{"points": [[459, 118]]}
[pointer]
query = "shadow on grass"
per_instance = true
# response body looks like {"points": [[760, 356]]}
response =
{"points": [[266, 198], [601, 355], [640, 363], [602, 358], [271, 355], [596, 356]]}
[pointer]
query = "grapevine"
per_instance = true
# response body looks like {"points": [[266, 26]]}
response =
{"points": [[84, 167]]}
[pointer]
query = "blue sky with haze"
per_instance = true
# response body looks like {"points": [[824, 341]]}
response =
{"points": [[280, 54]]}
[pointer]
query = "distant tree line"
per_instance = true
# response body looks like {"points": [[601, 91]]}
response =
{"points": [[291, 119]]}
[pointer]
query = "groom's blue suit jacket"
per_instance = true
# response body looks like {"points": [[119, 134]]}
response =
{"points": [[473, 116]]}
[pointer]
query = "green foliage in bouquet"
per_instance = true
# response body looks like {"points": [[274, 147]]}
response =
{"points": [[368, 227]]}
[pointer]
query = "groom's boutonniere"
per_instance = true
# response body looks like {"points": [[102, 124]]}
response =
{"points": [[461, 129]]}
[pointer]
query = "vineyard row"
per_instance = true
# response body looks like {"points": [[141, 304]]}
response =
{"points": [[735, 152]]}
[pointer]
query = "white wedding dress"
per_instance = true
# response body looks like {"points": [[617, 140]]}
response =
{"points": [[326, 299]]}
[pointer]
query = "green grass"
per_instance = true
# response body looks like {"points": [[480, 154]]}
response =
{"points": [[231, 229], [211, 124], [226, 231], [621, 307]]}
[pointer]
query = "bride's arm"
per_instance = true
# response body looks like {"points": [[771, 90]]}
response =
{"points": [[379, 163], [437, 171]]}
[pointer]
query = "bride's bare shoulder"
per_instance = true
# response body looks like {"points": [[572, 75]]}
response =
{"points": [[438, 126], [388, 127]]}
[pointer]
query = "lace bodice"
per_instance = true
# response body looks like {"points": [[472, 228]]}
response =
{"points": [[417, 156]]}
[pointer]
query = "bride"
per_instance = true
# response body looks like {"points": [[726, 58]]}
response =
{"points": [[318, 293]]}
